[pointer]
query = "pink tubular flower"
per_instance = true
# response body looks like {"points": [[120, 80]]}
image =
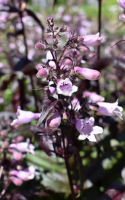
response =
{"points": [[54, 121], [24, 117], [87, 73], [91, 40], [24, 175], [121, 3], [93, 96], [16, 180], [65, 87], [110, 109], [23, 147], [87, 130]]}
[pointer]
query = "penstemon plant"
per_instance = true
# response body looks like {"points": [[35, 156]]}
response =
{"points": [[65, 114], [68, 115]]}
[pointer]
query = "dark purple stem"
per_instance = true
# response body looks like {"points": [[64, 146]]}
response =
{"points": [[99, 24], [67, 167]]}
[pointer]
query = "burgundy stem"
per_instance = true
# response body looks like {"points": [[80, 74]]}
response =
{"points": [[99, 24], [67, 167]]}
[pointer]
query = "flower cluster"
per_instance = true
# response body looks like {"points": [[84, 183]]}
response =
{"points": [[63, 70]]}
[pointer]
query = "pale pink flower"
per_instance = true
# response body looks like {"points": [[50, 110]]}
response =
{"points": [[110, 109], [24, 175], [87, 73], [121, 3], [91, 40], [65, 87], [54, 121], [23, 147], [24, 117], [93, 96], [87, 130]]}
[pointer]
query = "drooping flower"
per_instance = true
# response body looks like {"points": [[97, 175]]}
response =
{"points": [[24, 117], [24, 175], [91, 40], [65, 87], [23, 147], [93, 96], [87, 73], [121, 3], [110, 109], [87, 130]]}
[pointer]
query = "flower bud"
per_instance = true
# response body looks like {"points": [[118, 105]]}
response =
{"points": [[5, 144], [16, 155], [83, 49], [63, 29], [54, 121], [65, 117], [91, 40], [42, 73], [16, 181], [87, 73], [40, 46], [39, 66], [122, 17], [121, 3], [50, 21]]}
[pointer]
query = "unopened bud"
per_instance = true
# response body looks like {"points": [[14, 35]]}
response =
{"points": [[55, 41], [39, 66], [50, 21], [83, 49], [5, 144], [87, 73], [54, 121], [122, 17], [42, 73], [63, 29], [40, 46], [65, 117], [3, 132]]}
